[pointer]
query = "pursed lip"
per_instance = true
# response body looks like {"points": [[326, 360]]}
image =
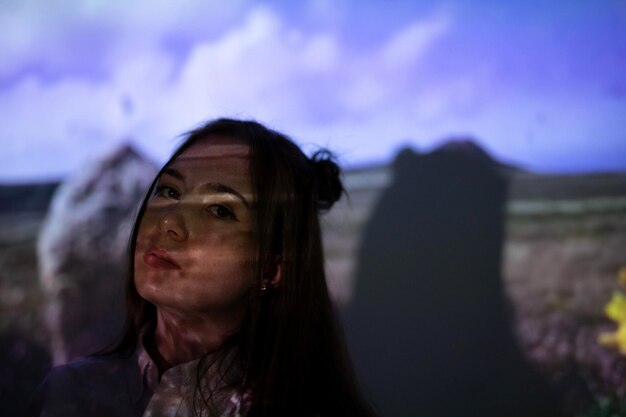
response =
{"points": [[159, 258]]}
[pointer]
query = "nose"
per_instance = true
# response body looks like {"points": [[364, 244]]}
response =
{"points": [[173, 225]]}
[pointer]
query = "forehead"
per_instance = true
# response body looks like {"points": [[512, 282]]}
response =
{"points": [[214, 148], [215, 158]]}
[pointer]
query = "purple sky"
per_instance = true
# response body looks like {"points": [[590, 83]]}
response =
{"points": [[541, 84]]}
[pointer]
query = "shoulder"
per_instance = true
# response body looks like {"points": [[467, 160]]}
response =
{"points": [[84, 386], [83, 374]]}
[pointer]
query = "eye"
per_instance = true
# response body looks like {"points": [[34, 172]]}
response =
{"points": [[221, 212], [167, 192]]}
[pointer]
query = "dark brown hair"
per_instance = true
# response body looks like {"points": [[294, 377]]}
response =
{"points": [[290, 346]]}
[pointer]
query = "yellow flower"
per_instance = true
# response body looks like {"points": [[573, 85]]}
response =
{"points": [[621, 338], [616, 311], [608, 339], [616, 339], [616, 308]]}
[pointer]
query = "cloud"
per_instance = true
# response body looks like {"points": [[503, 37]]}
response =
{"points": [[150, 77], [56, 37], [302, 83], [412, 42]]}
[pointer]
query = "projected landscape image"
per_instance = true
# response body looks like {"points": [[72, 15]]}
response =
{"points": [[477, 259]]}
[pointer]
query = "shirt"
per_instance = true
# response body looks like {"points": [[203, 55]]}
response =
{"points": [[128, 384]]}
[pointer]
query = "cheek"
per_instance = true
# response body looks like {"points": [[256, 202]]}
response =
{"points": [[146, 233], [225, 263], [224, 254], [146, 281], [214, 239]]}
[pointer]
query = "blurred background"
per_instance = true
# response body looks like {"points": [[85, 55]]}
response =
{"points": [[508, 116]]}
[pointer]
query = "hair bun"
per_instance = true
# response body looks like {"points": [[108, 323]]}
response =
{"points": [[327, 172]]}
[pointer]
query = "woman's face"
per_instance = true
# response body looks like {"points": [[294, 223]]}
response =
{"points": [[195, 246]]}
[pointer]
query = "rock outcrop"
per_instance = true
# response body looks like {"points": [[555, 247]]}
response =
{"points": [[82, 250]]}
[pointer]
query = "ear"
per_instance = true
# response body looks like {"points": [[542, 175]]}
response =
{"points": [[272, 274]]}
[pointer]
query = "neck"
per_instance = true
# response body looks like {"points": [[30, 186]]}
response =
{"points": [[180, 338]]}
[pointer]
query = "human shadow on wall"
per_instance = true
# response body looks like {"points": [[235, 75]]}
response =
{"points": [[428, 327]]}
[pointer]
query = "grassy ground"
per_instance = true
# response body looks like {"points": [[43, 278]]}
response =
{"points": [[565, 242], [560, 271]]}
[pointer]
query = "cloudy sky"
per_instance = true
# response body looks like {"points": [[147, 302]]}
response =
{"points": [[541, 84]]}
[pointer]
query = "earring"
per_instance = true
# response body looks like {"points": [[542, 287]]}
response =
{"points": [[263, 286]]}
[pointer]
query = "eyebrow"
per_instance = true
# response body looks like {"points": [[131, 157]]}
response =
{"points": [[173, 173], [215, 186]]}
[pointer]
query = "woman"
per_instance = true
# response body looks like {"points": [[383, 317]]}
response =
{"points": [[228, 309]]}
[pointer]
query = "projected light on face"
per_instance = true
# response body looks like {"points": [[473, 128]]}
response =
{"points": [[195, 246]]}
